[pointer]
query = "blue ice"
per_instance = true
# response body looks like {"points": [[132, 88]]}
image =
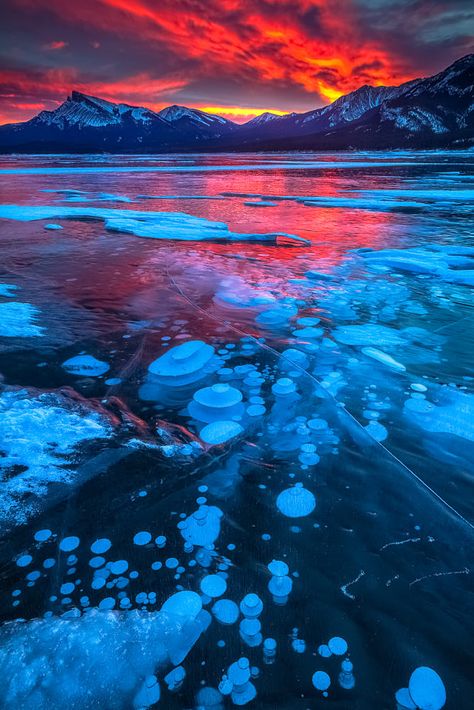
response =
{"points": [[18, 320]]}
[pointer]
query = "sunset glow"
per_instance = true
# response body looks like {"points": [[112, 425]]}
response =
{"points": [[238, 58]]}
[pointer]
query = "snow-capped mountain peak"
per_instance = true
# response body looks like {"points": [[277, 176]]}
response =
{"points": [[82, 110], [194, 115], [429, 112], [262, 119]]}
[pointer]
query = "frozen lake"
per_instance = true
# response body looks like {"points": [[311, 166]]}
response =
{"points": [[237, 375]]}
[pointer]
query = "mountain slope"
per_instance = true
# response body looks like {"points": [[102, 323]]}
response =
{"points": [[193, 121], [421, 113], [434, 112], [86, 123]]}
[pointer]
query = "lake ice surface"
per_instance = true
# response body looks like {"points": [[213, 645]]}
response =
{"points": [[237, 469]]}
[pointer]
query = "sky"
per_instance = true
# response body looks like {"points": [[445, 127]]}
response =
{"points": [[237, 58]]}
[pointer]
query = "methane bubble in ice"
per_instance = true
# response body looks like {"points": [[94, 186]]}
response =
{"points": [[42, 535], [337, 645], [346, 676], [238, 675], [251, 605], [208, 699], [404, 701], [24, 560], [226, 611], [427, 689], [202, 527], [213, 585], [321, 680], [250, 632], [186, 604], [219, 432], [283, 386], [68, 544], [148, 694], [119, 567], [100, 546], [296, 502], [291, 357], [174, 679], [184, 364], [214, 403], [269, 650], [142, 538], [377, 431], [86, 365], [280, 584]]}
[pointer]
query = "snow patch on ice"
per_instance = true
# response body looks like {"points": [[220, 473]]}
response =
{"points": [[102, 655], [39, 435], [17, 320]]}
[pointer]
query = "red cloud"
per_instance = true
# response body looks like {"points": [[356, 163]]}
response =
{"points": [[55, 45], [315, 49]]}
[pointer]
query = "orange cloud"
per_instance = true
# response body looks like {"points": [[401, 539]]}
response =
{"points": [[309, 52]]}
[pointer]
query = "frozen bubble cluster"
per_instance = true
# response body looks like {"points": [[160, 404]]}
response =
{"points": [[335, 647], [184, 364], [202, 528], [179, 369], [236, 682], [280, 585], [425, 691], [215, 403]]}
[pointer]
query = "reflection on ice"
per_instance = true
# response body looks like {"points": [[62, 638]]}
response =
{"points": [[292, 505]]}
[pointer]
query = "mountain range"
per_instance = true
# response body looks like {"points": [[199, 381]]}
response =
{"points": [[434, 112]]}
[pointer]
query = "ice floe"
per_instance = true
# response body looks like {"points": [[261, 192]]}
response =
{"points": [[153, 225], [454, 264]]}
